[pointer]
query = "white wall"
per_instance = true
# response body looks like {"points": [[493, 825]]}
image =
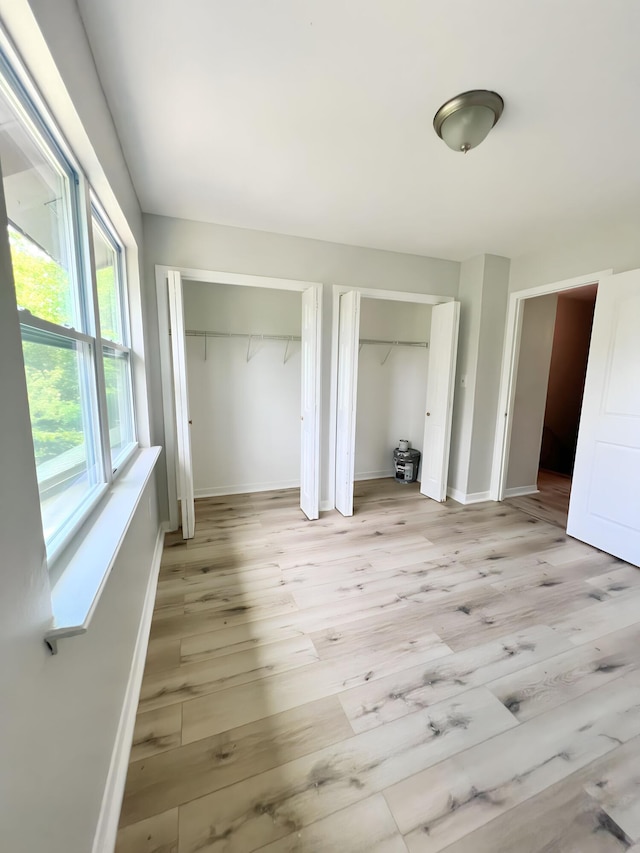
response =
{"points": [[489, 363], [470, 298], [246, 415], [391, 396], [531, 391], [202, 245], [59, 714], [615, 246], [483, 302]]}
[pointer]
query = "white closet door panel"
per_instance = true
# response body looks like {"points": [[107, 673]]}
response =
{"points": [[310, 408], [443, 348], [348, 339], [604, 509], [184, 469]]}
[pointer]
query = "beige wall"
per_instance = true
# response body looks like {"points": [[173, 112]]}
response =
{"points": [[483, 301], [531, 391]]}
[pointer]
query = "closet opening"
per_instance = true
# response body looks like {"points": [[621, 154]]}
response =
{"points": [[243, 368], [393, 361], [394, 367], [241, 388]]}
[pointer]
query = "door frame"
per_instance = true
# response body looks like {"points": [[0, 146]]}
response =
{"points": [[367, 293], [166, 372], [509, 372]]}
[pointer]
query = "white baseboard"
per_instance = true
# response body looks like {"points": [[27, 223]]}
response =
{"points": [[468, 498], [374, 475], [105, 838], [245, 488], [520, 491], [325, 506]]}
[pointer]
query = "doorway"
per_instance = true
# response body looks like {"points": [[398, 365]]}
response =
{"points": [[232, 342], [377, 398], [548, 370]]}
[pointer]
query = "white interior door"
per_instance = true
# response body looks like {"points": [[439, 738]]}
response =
{"points": [[604, 510], [184, 468], [348, 343], [443, 348], [310, 414]]}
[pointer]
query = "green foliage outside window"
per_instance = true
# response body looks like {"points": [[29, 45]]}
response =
{"points": [[42, 286]]}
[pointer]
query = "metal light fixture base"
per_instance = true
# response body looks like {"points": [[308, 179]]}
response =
{"points": [[474, 98]]}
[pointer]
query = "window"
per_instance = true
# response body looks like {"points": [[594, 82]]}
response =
{"points": [[72, 319], [116, 354]]}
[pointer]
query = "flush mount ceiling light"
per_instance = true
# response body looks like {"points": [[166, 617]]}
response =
{"points": [[464, 121]]}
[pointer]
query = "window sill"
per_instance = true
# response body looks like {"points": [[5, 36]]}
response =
{"points": [[88, 561]]}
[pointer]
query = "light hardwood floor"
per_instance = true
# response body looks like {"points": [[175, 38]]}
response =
{"points": [[551, 503], [420, 677]]}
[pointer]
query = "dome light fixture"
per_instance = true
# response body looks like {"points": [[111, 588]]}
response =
{"points": [[464, 121]]}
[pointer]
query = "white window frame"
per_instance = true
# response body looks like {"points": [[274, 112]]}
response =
{"points": [[83, 203], [103, 222]]}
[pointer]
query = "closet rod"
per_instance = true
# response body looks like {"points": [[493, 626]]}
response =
{"points": [[210, 334], [424, 344]]}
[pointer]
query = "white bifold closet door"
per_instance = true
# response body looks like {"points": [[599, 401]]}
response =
{"points": [[604, 510], [310, 406], [184, 469], [348, 346], [443, 348]]}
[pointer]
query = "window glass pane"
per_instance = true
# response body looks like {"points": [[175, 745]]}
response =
{"points": [[117, 377], [62, 405], [108, 282], [38, 202]]}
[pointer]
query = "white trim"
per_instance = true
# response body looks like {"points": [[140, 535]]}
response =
{"points": [[368, 293], [241, 279], [510, 355], [166, 372], [26, 318], [184, 462], [104, 840], [245, 488], [375, 475], [87, 563], [325, 506], [395, 295], [470, 498], [520, 491]]}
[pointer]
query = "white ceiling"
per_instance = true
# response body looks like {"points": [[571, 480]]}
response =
{"points": [[314, 117]]}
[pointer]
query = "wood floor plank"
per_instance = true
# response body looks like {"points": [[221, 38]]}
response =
{"points": [[598, 620], [162, 654], [214, 674], [271, 805], [158, 834], [365, 827], [208, 715], [156, 731], [402, 693], [441, 805], [564, 818], [617, 581], [188, 772], [536, 689]]}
